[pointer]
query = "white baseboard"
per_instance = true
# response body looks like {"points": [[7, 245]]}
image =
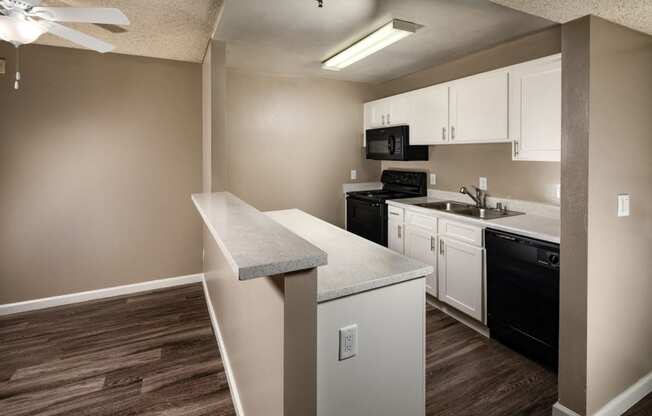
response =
{"points": [[560, 410], [235, 396], [628, 398], [619, 404], [36, 304]]}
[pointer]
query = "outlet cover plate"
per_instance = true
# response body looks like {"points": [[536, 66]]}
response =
{"points": [[354, 174], [348, 342], [433, 179], [3, 66]]}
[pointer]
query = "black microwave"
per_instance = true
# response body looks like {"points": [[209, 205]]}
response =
{"points": [[393, 143]]}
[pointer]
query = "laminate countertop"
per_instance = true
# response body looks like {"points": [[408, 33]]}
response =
{"points": [[527, 225], [354, 264], [254, 244]]}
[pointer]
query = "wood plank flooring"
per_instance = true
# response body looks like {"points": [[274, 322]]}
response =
{"points": [[469, 374], [154, 353], [642, 408]]}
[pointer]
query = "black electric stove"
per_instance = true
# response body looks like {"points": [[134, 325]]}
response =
{"points": [[366, 211]]}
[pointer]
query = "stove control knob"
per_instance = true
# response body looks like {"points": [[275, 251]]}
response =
{"points": [[553, 259]]}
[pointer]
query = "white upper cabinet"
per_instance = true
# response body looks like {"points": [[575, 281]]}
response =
{"points": [[391, 111], [428, 115], [479, 108], [535, 110], [398, 110], [520, 104]]}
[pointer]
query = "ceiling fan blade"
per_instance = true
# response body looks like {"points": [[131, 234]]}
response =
{"points": [[108, 16], [77, 37]]}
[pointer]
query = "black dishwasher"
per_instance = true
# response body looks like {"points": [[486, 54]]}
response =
{"points": [[523, 294]]}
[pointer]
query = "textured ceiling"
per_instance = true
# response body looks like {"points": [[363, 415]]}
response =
{"points": [[169, 29], [635, 14], [292, 37]]}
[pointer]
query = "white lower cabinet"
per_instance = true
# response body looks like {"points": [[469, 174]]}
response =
{"points": [[460, 275], [421, 244], [395, 230]]}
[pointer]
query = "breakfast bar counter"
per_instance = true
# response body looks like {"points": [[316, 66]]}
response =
{"points": [[311, 319]]}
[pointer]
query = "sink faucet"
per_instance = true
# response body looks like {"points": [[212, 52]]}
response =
{"points": [[480, 197]]}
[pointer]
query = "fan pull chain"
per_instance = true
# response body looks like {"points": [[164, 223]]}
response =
{"points": [[17, 83]]}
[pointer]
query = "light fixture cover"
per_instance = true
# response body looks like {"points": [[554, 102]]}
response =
{"points": [[381, 38], [18, 30]]}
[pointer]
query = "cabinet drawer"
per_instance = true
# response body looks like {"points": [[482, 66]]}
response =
{"points": [[395, 213], [421, 220], [462, 232]]}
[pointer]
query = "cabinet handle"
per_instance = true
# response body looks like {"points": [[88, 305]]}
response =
{"points": [[515, 148], [432, 243], [388, 122], [393, 213], [441, 247], [452, 132], [399, 231], [383, 122], [443, 134]]}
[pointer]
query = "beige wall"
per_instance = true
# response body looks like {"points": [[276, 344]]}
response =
{"points": [[207, 121], [219, 142], [268, 330], [574, 205], [98, 157], [292, 142], [464, 164], [619, 249], [606, 333]]}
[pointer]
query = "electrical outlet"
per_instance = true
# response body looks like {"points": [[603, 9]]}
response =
{"points": [[623, 205], [348, 342], [433, 179], [482, 183], [3, 66], [354, 174]]}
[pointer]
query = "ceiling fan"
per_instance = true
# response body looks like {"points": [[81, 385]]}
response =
{"points": [[24, 21]]}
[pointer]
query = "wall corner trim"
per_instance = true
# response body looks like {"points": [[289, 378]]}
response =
{"points": [[233, 388], [44, 303], [628, 398], [560, 410]]}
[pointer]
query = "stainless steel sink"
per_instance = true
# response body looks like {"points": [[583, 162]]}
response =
{"points": [[467, 210], [445, 205]]}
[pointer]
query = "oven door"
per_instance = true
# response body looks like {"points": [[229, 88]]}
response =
{"points": [[387, 144], [367, 219]]}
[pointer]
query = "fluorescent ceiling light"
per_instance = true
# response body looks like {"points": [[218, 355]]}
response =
{"points": [[381, 38]]}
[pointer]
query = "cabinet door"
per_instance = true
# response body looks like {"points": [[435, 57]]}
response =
{"points": [[421, 244], [478, 107], [535, 110], [380, 113], [428, 115], [398, 110], [460, 276], [395, 235]]}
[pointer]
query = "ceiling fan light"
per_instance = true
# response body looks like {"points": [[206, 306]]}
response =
{"points": [[19, 31], [388, 34]]}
